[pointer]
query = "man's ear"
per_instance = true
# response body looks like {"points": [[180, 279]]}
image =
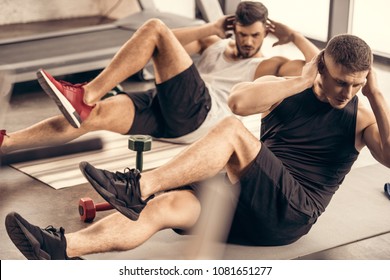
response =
{"points": [[321, 63]]}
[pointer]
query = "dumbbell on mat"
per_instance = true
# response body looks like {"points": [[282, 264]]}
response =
{"points": [[88, 209], [138, 143]]}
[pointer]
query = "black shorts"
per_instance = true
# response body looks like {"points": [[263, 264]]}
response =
{"points": [[174, 108], [273, 209]]}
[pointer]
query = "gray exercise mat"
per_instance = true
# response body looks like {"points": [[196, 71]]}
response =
{"points": [[63, 171]]}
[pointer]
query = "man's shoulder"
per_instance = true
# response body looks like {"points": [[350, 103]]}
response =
{"points": [[275, 60], [270, 66], [211, 41], [365, 115]]}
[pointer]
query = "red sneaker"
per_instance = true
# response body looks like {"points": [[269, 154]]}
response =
{"points": [[68, 97], [2, 134]]}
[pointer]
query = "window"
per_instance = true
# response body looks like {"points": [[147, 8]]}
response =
{"points": [[370, 21], [311, 18]]}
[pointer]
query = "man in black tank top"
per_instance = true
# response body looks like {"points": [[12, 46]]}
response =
{"points": [[313, 127]]}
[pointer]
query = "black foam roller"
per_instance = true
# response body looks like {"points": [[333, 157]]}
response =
{"points": [[53, 151]]}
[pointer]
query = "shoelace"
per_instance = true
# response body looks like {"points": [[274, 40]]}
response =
{"points": [[70, 85], [53, 230], [130, 177]]}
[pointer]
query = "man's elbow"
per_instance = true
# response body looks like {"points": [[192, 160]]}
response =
{"points": [[383, 158], [236, 106], [386, 161]]}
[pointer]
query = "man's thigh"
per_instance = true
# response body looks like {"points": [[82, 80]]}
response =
{"points": [[170, 57], [184, 102]]}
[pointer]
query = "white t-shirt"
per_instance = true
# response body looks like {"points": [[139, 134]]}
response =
{"points": [[219, 75]]}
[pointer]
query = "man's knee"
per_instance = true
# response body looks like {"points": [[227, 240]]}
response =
{"points": [[233, 130], [107, 113], [154, 26], [230, 126], [177, 209], [184, 201]]}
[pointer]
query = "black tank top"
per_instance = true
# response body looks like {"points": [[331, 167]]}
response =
{"points": [[315, 142]]}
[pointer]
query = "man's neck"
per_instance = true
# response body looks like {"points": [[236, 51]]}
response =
{"points": [[232, 53], [318, 91]]}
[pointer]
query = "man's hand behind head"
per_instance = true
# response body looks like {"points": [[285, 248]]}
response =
{"points": [[225, 26], [282, 32]]}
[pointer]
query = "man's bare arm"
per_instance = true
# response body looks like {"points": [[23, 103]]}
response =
{"points": [[377, 135], [267, 92], [282, 66], [195, 39]]}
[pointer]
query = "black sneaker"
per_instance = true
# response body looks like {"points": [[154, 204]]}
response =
{"points": [[387, 190], [115, 91], [121, 190], [36, 243]]}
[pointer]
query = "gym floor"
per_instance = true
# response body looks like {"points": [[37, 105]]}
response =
{"points": [[23, 194]]}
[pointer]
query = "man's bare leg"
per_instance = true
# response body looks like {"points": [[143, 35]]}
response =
{"points": [[114, 114], [229, 145], [176, 209], [152, 40]]}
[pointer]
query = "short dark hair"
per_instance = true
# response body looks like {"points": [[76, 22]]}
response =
{"points": [[350, 51], [249, 12]]}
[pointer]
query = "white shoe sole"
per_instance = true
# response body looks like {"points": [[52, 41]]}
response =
{"points": [[63, 104]]}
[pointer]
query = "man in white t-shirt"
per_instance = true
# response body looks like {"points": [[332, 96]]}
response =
{"points": [[188, 99]]}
